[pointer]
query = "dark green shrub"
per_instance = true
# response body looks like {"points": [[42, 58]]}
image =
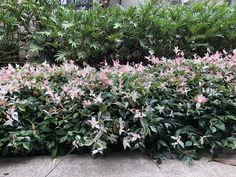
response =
{"points": [[9, 26], [172, 106], [18, 24], [97, 35], [56, 33]]}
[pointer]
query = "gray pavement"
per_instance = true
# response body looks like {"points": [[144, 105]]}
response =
{"points": [[113, 165]]}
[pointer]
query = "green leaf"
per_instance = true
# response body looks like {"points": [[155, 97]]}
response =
{"points": [[26, 146], [72, 43], [231, 117], [103, 107], [21, 107], [35, 48], [153, 129], [120, 104], [76, 115], [54, 153], [46, 33], [213, 129], [188, 143], [220, 125], [94, 46], [62, 55], [146, 131], [163, 143], [82, 55], [67, 25], [181, 144], [202, 123], [63, 139], [117, 25]]}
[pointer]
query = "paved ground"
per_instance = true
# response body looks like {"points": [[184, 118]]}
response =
{"points": [[113, 165]]}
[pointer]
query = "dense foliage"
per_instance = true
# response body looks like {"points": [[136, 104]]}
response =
{"points": [[56, 32], [18, 23], [175, 106]]}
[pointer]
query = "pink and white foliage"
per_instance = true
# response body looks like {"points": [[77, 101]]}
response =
{"points": [[118, 87], [201, 99], [86, 103], [12, 115], [94, 123]]}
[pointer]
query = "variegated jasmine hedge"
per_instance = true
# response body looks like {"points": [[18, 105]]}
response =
{"points": [[175, 106]]}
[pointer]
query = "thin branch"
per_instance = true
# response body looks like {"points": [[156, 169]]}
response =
{"points": [[72, 149]]}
